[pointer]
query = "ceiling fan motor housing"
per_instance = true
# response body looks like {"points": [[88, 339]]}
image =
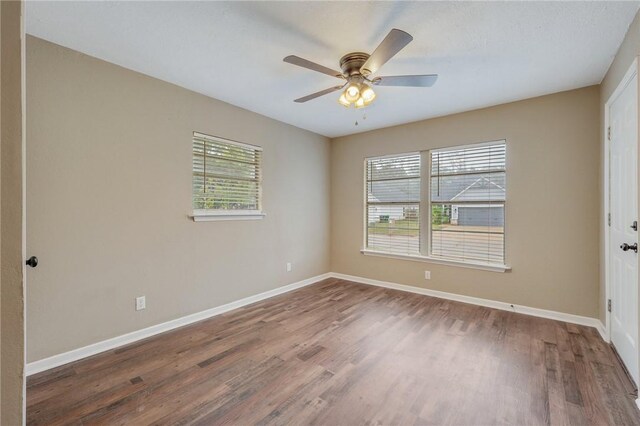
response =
{"points": [[352, 62]]}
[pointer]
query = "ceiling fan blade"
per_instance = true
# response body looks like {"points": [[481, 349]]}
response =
{"points": [[426, 80], [318, 94], [296, 60], [392, 44]]}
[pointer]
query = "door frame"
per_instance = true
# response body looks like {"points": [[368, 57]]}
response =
{"points": [[631, 73]]}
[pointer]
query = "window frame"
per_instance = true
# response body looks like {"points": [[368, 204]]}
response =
{"points": [[425, 206], [207, 215], [366, 198]]}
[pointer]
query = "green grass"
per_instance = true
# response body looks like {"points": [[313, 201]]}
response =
{"points": [[399, 227]]}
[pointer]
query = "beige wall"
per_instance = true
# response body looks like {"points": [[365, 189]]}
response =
{"points": [[628, 51], [109, 190], [552, 201], [11, 197]]}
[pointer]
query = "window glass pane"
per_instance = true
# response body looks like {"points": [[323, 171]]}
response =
{"points": [[468, 194], [393, 196], [225, 176]]}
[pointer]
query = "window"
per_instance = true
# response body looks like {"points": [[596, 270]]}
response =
{"points": [[393, 204], [467, 203], [226, 178], [444, 204]]}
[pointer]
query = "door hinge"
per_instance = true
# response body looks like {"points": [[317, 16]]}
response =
{"points": [[609, 133], [609, 305], [609, 219]]}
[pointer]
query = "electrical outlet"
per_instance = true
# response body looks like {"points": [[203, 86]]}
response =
{"points": [[427, 275], [141, 303], [288, 266]]}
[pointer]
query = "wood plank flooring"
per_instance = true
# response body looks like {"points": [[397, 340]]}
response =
{"points": [[341, 353]]}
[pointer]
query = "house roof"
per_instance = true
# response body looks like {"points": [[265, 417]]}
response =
{"points": [[450, 188], [480, 190], [391, 192]]}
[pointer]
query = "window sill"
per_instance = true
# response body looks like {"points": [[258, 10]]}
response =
{"points": [[217, 216], [429, 259]]}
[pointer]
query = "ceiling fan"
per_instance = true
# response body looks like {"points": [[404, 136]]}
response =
{"points": [[357, 69]]}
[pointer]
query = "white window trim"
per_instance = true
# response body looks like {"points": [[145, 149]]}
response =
{"points": [[365, 198], [216, 215], [430, 231], [429, 259], [466, 146], [229, 141], [425, 202], [204, 215], [425, 216]]}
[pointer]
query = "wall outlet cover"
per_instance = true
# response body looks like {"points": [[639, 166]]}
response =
{"points": [[141, 303]]}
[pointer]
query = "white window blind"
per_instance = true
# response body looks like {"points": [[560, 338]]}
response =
{"points": [[393, 200], [226, 175], [467, 196]]}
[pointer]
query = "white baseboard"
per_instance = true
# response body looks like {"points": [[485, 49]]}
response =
{"points": [[105, 345], [536, 312], [604, 333]]}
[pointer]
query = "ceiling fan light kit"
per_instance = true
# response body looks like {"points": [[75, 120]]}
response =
{"points": [[358, 95], [357, 67]]}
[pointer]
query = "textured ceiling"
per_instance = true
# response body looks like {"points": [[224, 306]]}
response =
{"points": [[486, 53]]}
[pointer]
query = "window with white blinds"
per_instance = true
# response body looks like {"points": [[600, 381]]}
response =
{"points": [[467, 203], [393, 204], [458, 216], [226, 176]]}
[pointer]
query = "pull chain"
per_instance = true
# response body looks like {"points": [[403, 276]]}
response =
{"points": [[364, 117]]}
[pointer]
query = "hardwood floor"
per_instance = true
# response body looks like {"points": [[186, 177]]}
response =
{"points": [[340, 353]]}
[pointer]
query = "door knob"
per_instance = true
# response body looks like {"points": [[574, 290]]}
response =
{"points": [[32, 261], [627, 247]]}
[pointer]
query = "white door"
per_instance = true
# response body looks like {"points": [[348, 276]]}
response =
{"points": [[623, 152]]}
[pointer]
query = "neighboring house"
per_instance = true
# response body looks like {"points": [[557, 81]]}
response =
{"points": [[450, 190], [383, 193], [476, 214], [384, 213]]}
